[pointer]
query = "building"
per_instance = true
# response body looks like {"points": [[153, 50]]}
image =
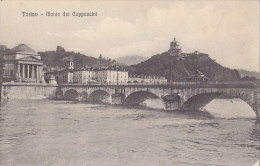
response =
{"points": [[146, 79], [84, 76], [3, 47], [64, 76], [175, 49], [50, 78], [135, 79], [70, 64], [111, 75], [197, 77], [22, 64]]}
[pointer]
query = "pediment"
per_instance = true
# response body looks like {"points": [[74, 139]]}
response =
{"points": [[30, 58]]}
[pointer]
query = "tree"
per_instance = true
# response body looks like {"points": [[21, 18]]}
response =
{"points": [[60, 49]]}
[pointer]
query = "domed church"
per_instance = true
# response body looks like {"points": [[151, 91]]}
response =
{"points": [[22, 64]]}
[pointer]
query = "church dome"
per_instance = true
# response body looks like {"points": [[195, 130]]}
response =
{"points": [[23, 48]]}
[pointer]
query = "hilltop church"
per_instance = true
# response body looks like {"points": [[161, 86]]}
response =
{"points": [[22, 64], [175, 49]]}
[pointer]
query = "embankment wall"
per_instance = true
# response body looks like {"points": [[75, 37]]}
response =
{"points": [[27, 90]]}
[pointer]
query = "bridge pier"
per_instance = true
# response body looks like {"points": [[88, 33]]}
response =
{"points": [[82, 96], [58, 94], [117, 99], [171, 102], [258, 113], [257, 103]]}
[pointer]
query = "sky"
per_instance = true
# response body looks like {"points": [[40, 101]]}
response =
{"points": [[227, 30]]}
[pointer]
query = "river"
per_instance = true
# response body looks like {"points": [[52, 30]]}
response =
{"points": [[48, 132]]}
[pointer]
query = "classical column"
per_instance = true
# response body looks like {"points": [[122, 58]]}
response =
{"points": [[33, 74], [28, 72], [40, 72], [23, 70], [37, 72], [18, 70]]}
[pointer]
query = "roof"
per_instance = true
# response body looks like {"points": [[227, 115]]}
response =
{"points": [[23, 48]]}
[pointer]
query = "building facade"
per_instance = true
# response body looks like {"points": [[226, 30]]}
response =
{"points": [[198, 76], [147, 79], [84, 76], [64, 76], [112, 76], [22, 64]]}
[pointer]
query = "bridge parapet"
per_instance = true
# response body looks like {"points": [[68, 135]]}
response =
{"points": [[167, 86]]}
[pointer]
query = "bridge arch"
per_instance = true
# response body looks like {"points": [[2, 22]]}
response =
{"points": [[138, 97], [198, 100], [98, 95], [71, 95]]}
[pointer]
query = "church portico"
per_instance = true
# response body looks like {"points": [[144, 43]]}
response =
{"points": [[28, 72], [22, 64]]}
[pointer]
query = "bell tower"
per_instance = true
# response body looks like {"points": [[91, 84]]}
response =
{"points": [[71, 64]]}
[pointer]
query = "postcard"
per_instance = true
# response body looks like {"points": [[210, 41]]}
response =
{"points": [[129, 83]]}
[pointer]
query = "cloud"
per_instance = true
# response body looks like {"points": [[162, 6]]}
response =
{"points": [[228, 31]]}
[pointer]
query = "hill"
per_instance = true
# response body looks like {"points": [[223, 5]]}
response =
{"points": [[170, 67], [244, 73], [59, 59], [131, 60]]}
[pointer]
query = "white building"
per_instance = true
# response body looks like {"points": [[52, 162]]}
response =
{"points": [[84, 76], [22, 64], [111, 76]]}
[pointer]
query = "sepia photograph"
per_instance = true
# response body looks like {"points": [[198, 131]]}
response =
{"points": [[129, 83]]}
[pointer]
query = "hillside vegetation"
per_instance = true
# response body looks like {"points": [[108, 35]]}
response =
{"points": [[170, 67], [59, 59], [131, 60]]}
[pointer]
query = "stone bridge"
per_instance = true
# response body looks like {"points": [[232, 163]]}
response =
{"points": [[173, 96]]}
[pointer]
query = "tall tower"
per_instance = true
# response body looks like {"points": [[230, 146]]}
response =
{"points": [[175, 49], [71, 64]]}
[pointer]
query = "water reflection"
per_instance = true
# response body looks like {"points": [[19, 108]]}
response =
{"points": [[230, 108]]}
